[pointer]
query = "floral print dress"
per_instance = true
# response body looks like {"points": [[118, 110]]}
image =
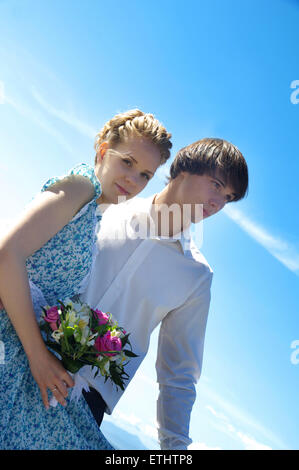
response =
{"points": [[58, 270]]}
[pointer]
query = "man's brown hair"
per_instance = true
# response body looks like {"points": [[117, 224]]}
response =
{"points": [[210, 155]]}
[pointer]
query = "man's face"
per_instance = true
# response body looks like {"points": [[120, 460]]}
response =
{"points": [[205, 195]]}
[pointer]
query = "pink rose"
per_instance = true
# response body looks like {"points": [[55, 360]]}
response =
{"points": [[108, 343], [52, 317], [102, 317]]}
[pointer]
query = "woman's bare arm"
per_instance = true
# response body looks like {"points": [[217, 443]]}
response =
{"points": [[45, 216]]}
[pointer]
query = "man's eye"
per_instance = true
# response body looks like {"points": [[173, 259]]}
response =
{"points": [[127, 161], [146, 176], [217, 185]]}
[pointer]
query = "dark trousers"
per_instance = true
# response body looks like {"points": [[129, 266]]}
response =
{"points": [[95, 403]]}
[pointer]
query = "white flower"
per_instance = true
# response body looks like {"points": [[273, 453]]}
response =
{"points": [[85, 335], [57, 335], [72, 319], [117, 333], [107, 367], [118, 358], [87, 338], [84, 317], [91, 340], [81, 310]]}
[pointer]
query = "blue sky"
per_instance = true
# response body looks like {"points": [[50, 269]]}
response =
{"points": [[205, 68]]}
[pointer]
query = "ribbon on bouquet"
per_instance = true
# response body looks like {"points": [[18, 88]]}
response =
{"points": [[80, 384]]}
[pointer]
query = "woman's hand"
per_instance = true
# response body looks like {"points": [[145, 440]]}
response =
{"points": [[49, 373]]}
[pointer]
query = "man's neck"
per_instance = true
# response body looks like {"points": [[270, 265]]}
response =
{"points": [[167, 214]]}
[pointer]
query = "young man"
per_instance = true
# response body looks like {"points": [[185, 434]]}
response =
{"points": [[148, 271]]}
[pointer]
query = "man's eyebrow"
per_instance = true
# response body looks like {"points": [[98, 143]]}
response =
{"points": [[130, 155], [220, 181]]}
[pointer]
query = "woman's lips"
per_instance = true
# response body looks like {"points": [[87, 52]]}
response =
{"points": [[122, 190]]}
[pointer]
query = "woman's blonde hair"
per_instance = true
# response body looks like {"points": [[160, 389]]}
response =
{"points": [[135, 122]]}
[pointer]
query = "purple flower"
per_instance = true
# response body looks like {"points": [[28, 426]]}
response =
{"points": [[103, 318], [52, 317], [108, 343]]}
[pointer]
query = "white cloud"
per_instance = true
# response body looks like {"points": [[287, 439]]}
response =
{"points": [[131, 418], [223, 424], [149, 431], [36, 117], [231, 413], [202, 446], [282, 250], [142, 428], [146, 379], [67, 118], [250, 443], [216, 413]]}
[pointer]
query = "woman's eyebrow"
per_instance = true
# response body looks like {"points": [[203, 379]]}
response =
{"points": [[130, 155]]}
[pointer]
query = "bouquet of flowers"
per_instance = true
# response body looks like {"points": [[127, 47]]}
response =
{"points": [[83, 336]]}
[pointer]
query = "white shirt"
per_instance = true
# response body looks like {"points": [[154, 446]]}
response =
{"points": [[145, 282]]}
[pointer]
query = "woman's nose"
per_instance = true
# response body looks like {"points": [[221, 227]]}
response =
{"points": [[133, 179]]}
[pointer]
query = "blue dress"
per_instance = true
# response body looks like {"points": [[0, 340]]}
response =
{"points": [[58, 270]]}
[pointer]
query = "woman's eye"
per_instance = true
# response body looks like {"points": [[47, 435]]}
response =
{"points": [[146, 176], [127, 161]]}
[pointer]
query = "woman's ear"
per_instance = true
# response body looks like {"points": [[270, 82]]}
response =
{"points": [[102, 150]]}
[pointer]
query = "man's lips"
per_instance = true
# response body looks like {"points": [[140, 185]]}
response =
{"points": [[122, 190]]}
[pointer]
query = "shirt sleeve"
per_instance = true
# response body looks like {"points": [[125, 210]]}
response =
{"points": [[178, 365]]}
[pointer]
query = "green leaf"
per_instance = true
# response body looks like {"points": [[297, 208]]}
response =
{"points": [[129, 353], [69, 331], [71, 365]]}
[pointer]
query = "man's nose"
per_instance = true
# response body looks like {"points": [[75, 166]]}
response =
{"points": [[217, 203]]}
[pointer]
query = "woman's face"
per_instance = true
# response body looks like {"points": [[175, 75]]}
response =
{"points": [[125, 169]]}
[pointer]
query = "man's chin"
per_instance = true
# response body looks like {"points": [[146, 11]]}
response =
{"points": [[195, 219]]}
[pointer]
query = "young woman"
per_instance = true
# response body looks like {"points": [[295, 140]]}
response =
{"points": [[47, 256]]}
